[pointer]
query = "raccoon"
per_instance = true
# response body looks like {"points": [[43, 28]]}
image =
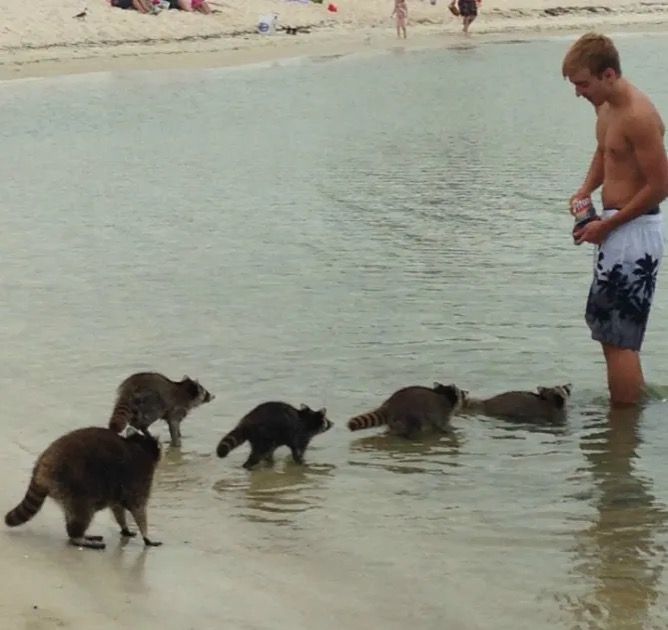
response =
{"points": [[146, 397], [274, 424], [88, 470], [548, 404], [414, 409]]}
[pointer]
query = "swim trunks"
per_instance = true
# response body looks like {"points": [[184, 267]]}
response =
{"points": [[625, 269], [468, 8]]}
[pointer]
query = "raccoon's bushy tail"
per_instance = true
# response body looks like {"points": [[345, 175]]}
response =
{"points": [[30, 505], [233, 439], [121, 416], [376, 418]]}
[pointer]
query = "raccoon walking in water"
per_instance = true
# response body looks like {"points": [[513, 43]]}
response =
{"points": [[146, 397], [88, 470], [414, 409], [274, 424], [547, 404]]}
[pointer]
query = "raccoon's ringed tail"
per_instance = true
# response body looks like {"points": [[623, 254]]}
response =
{"points": [[30, 505], [229, 442], [120, 417], [366, 420]]}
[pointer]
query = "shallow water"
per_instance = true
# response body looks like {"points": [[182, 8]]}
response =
{"points": [[326, 232]]}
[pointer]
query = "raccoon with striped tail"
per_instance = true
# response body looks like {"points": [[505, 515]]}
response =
{"points": [[88, 470], [145, 397], [414, 410], [545, 405], [274, 424]]}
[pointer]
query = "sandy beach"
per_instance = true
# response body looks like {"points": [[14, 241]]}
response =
{"points": [[46, 39]]}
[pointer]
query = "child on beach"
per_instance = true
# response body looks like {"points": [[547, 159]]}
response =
{"points": [[401, 13]]}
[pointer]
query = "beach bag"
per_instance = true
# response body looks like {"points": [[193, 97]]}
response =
{"points": [[454, 9]]}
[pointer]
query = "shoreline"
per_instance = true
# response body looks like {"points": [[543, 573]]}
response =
{"points": [[240, 48]]}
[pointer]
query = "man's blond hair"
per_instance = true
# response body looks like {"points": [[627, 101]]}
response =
{"points": [[593, 52]]}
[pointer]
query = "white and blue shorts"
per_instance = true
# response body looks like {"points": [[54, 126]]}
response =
{"points": [[625, 268]]}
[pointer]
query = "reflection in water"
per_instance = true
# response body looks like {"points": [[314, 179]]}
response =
{"points": [[617, 554], [130, 565], [397, 454], [276, 494], [178, 472]]}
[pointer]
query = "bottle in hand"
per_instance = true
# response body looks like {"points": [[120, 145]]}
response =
{"points": [[584, 212]]}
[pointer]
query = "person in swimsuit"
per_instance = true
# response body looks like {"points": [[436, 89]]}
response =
{"points": [[401, 14], [143, 6], [630, 164], [190, 5], [468, 9]]}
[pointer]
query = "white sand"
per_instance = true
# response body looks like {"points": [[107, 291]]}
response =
{"points": [[38, 38]]}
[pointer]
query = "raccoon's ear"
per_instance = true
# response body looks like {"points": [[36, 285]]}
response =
{"points": [[543, 392], [304, 407], [322, 412], [437, 385], [192, 387]]}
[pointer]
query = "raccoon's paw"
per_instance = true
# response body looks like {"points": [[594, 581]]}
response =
{"points": [[127, 533], [151, 543], [88, 542]]}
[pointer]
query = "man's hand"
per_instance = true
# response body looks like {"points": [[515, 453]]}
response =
{"points": [[580, 194], [594, 232]]}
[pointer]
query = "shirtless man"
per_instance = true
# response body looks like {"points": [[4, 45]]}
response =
{"points": [[630, 163]]}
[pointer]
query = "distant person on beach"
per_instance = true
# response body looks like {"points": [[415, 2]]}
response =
{"points": [[401, 15], [630, 163], [468, 9], [190, 5], [143, 6], [146, 6]]}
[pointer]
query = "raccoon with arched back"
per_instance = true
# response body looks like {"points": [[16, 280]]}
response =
{"points": [[88, 470], [413, 410], [274, 424], [546, 404], [145, 397]]}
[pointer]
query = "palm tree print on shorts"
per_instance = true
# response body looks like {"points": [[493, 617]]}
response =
{"points": [[620, 299]]}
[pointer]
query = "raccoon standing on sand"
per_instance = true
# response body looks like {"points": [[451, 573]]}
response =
{"points": [[146, 397], [414, 409], [88, 470], [548, 404], [274, 424]]}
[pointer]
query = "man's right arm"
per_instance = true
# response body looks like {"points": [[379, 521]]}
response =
{"points": [[594, 175], [592, 181]]}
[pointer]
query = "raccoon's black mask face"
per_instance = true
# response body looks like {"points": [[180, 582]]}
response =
{"points": [[456, 396], [315, 421], [197, 393], [557, 396]]}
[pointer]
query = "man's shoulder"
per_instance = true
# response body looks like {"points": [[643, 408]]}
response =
{"points": [[641, 106]]}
